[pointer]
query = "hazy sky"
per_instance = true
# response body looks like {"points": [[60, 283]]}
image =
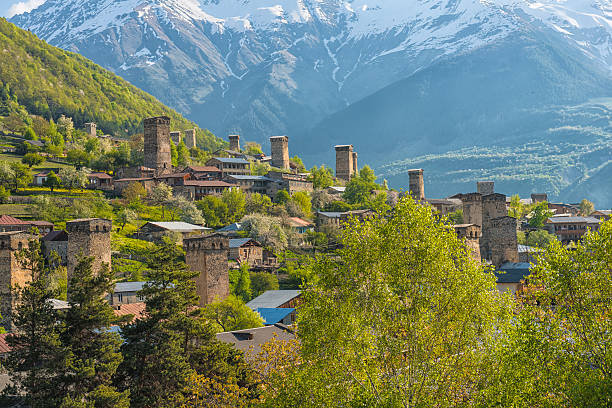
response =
{"points": [[8, 8]]}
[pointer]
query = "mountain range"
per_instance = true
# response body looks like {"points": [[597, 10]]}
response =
{"points": [[511, 90]]}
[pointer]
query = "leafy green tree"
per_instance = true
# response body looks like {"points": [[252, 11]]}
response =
{"points": [[338, 206], [456, 217], [36, 353], [359, 189], [14, 175], [558, 350], [539, 214], [94, 351], [30, 134], [214, 210], [262, 282], [235, 201], [586, 207], [232, 314], [126, 216], [78, 157], [410, 328], [92, 145], [134, 192], [540, 238], [240, 283], [65, 126], [282, 197], [187, 210], [299, 163], [252, 148], [320, 199], [260, 169], [182, 154], [321, 177], [257, 203], [302, 200], [161, 195], [5, 195], [52, 181], [32, 159], [173, 154], [266, 230], [517, 209]]}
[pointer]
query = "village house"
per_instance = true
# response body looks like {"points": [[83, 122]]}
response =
{"points": [[174, 179], [100, 181], [289, 182], [126, 293], [203, 172], [602, 215], [251, 184], [276, 299], [40, 178], [121, 184], [568, 229], [246, 250], [250, 341], [155, 231], [299, 225], [56, 242], [9, 223], [230, 166], [511, 276], [198, 189]]}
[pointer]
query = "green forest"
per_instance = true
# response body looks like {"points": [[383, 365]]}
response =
{"points": [[50, 82]]}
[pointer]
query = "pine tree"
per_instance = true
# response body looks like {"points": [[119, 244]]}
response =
{"points": [[94, 351], [36, 354]]}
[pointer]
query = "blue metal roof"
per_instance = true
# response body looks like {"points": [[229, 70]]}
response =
{"points": [[128, 286], [273, 315], [231, 160], [247, 177], [238, 242], [513, 272], [273, 298], [232, 227]]}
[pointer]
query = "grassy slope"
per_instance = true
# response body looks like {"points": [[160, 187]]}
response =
{"points": [[50, 82]]}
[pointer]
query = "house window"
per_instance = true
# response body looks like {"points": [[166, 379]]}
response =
{"points": [[119, 297]]}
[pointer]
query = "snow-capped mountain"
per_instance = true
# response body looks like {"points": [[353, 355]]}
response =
{"points": [[264, 67]]}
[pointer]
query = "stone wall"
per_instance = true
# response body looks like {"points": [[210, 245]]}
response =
{"points": [[11, 271], [280, 152], [345, 168], [539, 197], [471, 234], [176, 137], [208, 255], [416, 184], [472, 208], [91, 129], [234, 142], [157, 144], [493, 207], [355, 167], [88, 237]]}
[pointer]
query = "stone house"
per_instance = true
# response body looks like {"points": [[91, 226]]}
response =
{"points": [[203, 172], [569, 229], [198, 189], [251, 184], [174, 179], [299, 225], [40, 178], [9, 223], [56, 241], [122, 184], [230, 166], [289, 182], [246, 250], [602, 215]]}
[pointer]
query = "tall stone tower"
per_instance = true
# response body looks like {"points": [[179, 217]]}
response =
{"points": [[471, 234], [503, 242], [157, 145], [539, 197], [416, 184], [235, 143], [176, 137], [493, 206], [280, 152], [190, 138], [91, 129], [355, 167], [472, 208], [11, 271], [485, 187], [208, 255], [345, 166], [88, 237]]}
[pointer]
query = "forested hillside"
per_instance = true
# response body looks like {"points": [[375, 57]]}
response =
{"points": [[51, 82]]}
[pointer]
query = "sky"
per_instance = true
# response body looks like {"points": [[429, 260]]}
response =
{"points": [[9, 8]]}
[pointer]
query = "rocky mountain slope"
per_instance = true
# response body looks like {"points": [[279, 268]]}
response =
{"points": [[282, 66]]}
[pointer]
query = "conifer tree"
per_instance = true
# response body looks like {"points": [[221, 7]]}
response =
{"points": [[93, 350], [36, 354]]}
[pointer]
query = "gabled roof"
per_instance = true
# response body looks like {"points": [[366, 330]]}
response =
{"points": [[136, 309], [230, 160], [58, 235], [232, 227], [513, 272], [329, 214], [207, 183], [250, 340], [273, 315], [297, 222], [203, 169], [128, 286], [238, 242], [177, 226], [273, 298], [99, 175], [173, 175], [9, 220], [40, 223], [563, 220]]}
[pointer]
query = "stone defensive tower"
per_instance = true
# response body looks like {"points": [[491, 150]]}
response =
{"points": [[416, 184], [190, 138], [11, 271], [91, 129], [345, 162], [235, 143], [493, 207], [503, 242], [472, 208], [157, 144], [280, 152], [539, 197], [208, 255], [88, 237], [485, 187], [471, 234], [175, 137]]}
